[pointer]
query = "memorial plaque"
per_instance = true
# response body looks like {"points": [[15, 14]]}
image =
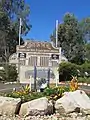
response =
{"points": [[22, 55], [55, 56]]}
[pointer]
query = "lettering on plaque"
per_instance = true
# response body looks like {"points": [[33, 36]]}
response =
{"points": [[43, 45], [48, 46], [29, 45], [38, 45]]}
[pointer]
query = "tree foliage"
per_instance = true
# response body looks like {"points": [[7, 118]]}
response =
{"points": [[67, 70], [87, 53], [10, 13], [85, 28], [9, 73], [72, 37]]}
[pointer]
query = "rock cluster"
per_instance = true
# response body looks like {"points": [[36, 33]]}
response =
{"points": [[72, 106], [57, 116]]}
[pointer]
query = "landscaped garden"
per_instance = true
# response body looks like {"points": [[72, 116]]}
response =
{"points": [[54, 103], [62, 102]]}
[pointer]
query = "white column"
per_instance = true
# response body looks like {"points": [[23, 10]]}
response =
{"points": [[26, 62], [57, 78], [27, 59], [30, 82], [38, 60]]}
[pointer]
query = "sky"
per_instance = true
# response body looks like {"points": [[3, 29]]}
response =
{"points": [[44, 14]]}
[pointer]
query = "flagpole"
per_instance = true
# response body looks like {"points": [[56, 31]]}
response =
{"points": [[56, 47], [20, 24], [56, 32], [20, 30]]}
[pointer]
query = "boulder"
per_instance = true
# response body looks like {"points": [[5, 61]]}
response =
{"points": [[9, 106], [82, 100], [73, 101], [35, 107], [66, 104]]}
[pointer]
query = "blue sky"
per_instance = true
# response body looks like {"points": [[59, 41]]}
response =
{"points": [[44, 13]]}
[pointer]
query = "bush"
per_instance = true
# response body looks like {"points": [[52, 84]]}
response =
{"points": [[67, 70], [81, 80], [51, 93], [85, 68], [25, 96], [9, 73], [84, 80], [56, 92]]}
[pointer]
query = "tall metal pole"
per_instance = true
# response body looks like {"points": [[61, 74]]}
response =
{"points": [[20, 30], [56, 47], [20, 24], [56, 32]]}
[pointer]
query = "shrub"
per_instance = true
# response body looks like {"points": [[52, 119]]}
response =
{"points": [[25, 97], [85, 68], [56, 92], [81, 79], [67, 70], [51, 93], [9, 73], [84, 80]]}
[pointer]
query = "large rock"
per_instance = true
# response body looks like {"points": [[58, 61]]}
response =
{"points": [[82, 100], [39, 106], [9, 106], [72, 101], [66, 104]]}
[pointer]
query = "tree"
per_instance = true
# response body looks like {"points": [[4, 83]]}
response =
{"points": [[70, 39], [15, 10], [10, 13], [4, 30], [87, 55], [9, 73], [85, 28]]}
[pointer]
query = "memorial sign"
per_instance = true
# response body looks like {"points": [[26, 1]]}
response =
{"points": [[55, 56], [22, 55]]}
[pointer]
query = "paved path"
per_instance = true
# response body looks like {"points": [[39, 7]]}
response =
{"points": [[9, 87]]}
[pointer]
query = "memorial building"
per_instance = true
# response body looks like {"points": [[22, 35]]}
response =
{"points": [[43, 55]]}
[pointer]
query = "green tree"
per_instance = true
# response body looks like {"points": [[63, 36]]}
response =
{"points": [[85, 28], [10, 13], [9, 73], [87, 49], [70, 39], [15, 10]]}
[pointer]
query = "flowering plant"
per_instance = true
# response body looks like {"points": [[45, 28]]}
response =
{"points": [[74, 84]]}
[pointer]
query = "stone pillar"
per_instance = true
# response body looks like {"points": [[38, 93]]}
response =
{"points": [[55, 70], [26, 62], [38, 60], [27, 59]]}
